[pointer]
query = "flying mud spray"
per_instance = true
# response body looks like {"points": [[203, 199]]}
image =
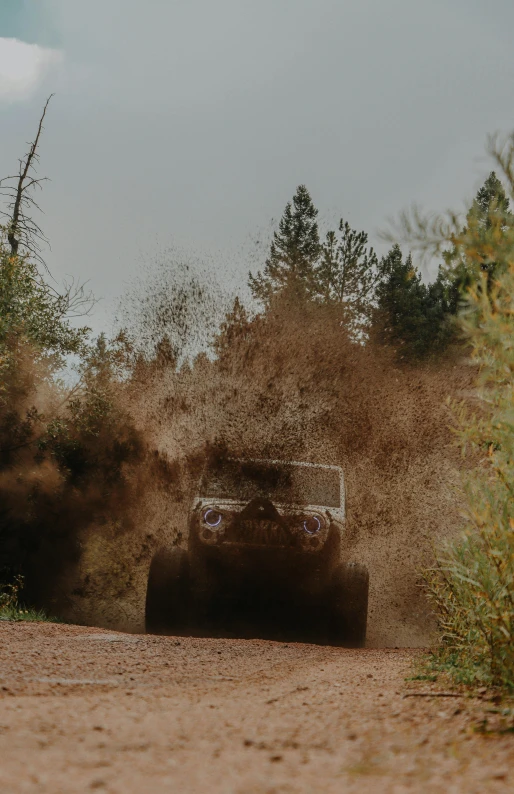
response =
{"points": [[291, 385]]}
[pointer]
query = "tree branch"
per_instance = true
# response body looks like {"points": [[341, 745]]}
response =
{"points": [[21, 229]]}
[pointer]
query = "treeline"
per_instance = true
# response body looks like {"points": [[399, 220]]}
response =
{"points": [[382, 299]]}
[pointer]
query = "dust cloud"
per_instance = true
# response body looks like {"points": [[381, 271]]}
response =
{"points": [[289, 384]]}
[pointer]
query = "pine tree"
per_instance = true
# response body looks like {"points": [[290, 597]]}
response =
{"points": [[491, 198], [486, 222], [348, 272], [420, 317], [411, 314], [294, 252], [234, 330]]}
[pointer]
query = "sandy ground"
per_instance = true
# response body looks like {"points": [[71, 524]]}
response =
{"points": [[83, 709]]}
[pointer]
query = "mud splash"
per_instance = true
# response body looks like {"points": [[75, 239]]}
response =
{"points": [[292, 385]]}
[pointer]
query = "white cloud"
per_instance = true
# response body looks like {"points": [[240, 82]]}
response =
{"points": [[23, 66]]}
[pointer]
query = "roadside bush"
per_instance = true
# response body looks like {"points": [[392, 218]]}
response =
{"points": [[71, 458], [472, 584]]}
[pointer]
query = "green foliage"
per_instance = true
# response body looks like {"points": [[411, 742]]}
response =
{"points": [[64, 453], [36, 335], [12, 610], [472, 585], [69, 458], [473, 251], [33, 313], [387, 299], [347, 273], [419, 317], [76, 468], [94, 438], [410, 314], [294, 251], [491, 200]]}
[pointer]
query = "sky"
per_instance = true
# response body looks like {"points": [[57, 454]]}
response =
{"points": [[186, 125]]}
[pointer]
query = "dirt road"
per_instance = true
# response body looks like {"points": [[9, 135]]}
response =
{"points": [[83, 709]]}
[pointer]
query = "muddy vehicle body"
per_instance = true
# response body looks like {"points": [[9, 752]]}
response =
{"points": [[265, 556]]}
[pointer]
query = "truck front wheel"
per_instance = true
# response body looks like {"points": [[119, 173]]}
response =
{"points": [[349, 605], [167, 593]]}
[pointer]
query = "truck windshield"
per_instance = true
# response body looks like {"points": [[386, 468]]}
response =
{"points": [[281, 482]]}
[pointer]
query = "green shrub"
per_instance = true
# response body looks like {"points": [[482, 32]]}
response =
{"points": [[472, 584], [69, 456]]}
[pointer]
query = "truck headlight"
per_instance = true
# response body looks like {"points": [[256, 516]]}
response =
{"points": [[311, 525], [212, 518]]}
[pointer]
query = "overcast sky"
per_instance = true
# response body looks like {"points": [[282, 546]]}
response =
{"points": [[191, 122]]}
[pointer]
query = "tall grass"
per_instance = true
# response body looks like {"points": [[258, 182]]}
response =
{"points": [[12, 610]]}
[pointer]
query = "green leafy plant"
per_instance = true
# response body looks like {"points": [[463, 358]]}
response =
{"points": [[472, 587], [472, 584], [11, 608]]}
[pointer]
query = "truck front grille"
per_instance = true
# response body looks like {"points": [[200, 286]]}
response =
{"points": [[258, 532]]}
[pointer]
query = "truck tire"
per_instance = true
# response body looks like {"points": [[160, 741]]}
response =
{"points": [[167, 593], [349, 605]]}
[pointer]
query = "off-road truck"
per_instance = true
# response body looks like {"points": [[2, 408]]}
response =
{"points": [[266, 542]]}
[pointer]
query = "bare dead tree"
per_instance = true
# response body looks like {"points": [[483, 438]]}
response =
{"points": [[22, 230], [24, 233]]}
